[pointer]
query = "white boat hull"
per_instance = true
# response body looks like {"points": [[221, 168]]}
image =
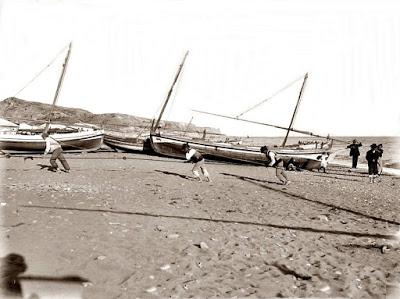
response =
{"points": [[70, 142]]}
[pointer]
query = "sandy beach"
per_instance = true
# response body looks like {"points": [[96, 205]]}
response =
{"points": [[136, 226]]}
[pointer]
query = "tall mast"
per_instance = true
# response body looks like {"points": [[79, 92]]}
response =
{"points": [[60, 81], [295, 109], [155, 126]]}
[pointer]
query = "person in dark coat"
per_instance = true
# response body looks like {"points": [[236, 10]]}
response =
{"points": [[354, 152], [372, 157]]}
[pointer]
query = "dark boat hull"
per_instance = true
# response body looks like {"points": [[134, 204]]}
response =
{"points": [[124, 144], [172, 147]]}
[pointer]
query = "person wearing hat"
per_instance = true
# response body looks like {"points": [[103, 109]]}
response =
{"points": [[55, 149], [354, 152], [372, 158], [195, 157], [274, 161]]}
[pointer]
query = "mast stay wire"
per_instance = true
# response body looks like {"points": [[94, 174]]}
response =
{"points": [[270, 97], [41, 71], [174, 92]]}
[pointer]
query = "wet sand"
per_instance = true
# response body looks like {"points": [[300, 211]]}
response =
{"points": [[139, 228]]}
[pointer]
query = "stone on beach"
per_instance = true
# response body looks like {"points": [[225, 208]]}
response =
{"points": [[204, 246], [173, 236]]}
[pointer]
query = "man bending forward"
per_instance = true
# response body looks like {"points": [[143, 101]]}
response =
{"points": [[195, 157], [55, 149]]}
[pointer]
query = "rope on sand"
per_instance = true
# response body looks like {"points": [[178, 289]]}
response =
{"points": [[160, 158], [277, 226]]}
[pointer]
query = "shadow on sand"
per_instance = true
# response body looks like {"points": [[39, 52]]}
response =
{"points": [[175, 174], [261, 183], [230, 221], [44, 166], [12, 283]]}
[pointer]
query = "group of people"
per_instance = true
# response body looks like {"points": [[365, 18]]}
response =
{"points": [[54, 148], [197, 158], [373, 157]]}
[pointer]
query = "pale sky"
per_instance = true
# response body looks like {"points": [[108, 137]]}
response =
{"points": [[126, 53]]}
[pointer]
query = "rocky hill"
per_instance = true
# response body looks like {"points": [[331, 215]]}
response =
{"points": [[18, 111]]}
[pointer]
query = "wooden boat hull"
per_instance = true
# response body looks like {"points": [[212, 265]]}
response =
{"points": [[70, 142], [172, 147], [124, 144]]}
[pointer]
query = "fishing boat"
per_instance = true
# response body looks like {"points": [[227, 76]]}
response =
{"points": [[302, 156], [127, 144], [78, 139], [131, 142], [172, 147]]}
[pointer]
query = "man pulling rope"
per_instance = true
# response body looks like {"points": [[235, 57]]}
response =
{"points": [[53, 147]]}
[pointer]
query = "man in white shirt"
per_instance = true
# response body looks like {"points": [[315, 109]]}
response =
{"points": [[275, 161], [55, 149], [324, 162], [195, 157]]}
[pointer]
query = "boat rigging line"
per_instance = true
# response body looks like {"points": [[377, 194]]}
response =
{"points": [[270, 97], [41, 71], [270, 125]]}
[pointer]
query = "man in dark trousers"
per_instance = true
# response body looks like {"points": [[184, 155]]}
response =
{"points": [[53, 147], [372, 157], [354, 152]]}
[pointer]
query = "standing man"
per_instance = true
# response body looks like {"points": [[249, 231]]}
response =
{"points": [[275, 161], [53, 147], [354, 152], [372, 157], [195, 157]]}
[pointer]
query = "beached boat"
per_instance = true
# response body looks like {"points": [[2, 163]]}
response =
{"points": [[172, 147], [302, 157], [28, 139], [126, 144], [89, 140]]}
